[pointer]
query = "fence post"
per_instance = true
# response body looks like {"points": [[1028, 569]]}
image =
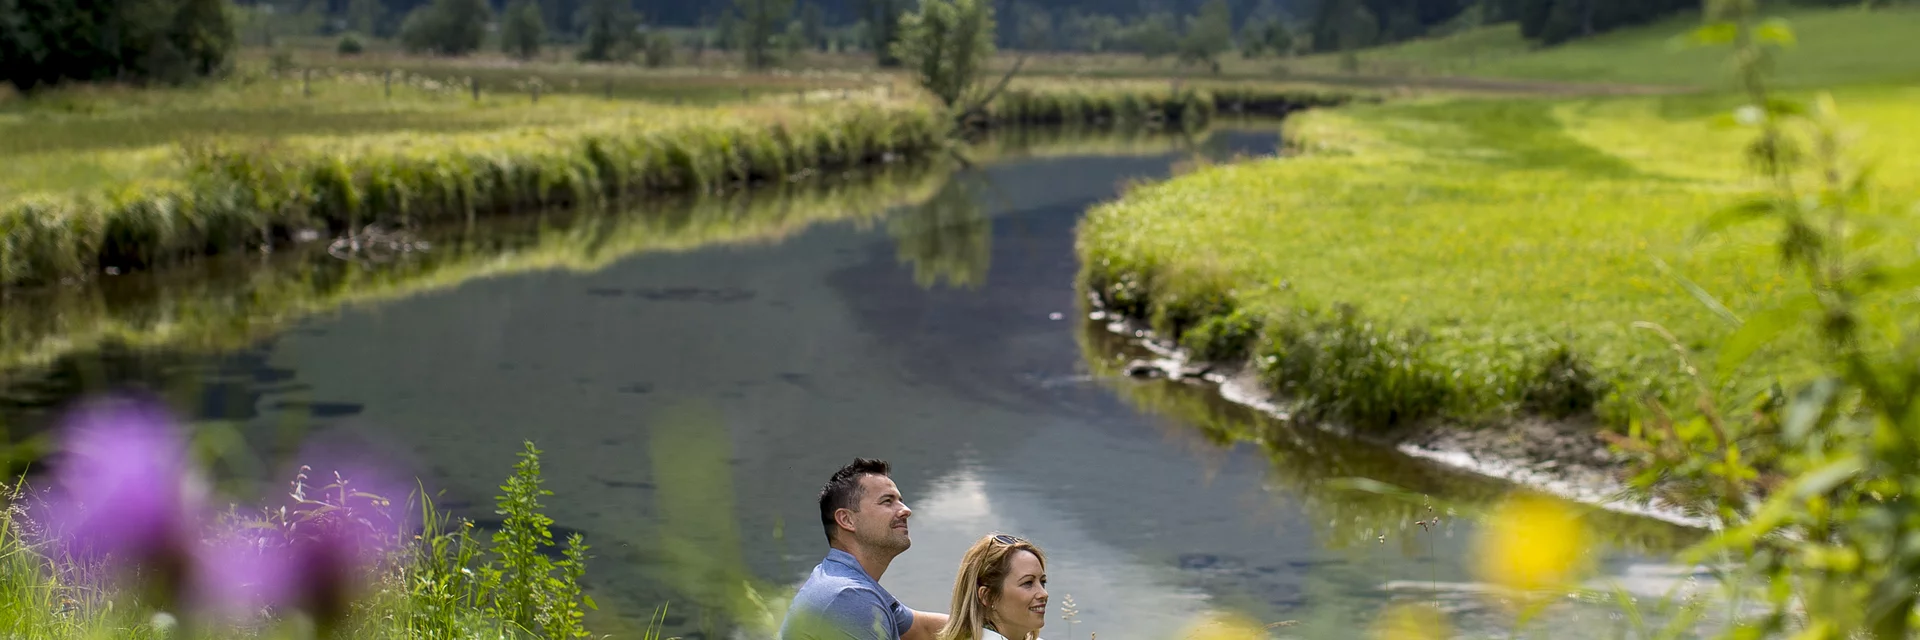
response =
{"points": [[609, 88], [745, 94], [306, 82], [476, 88], [389, 83], [536, 91]]}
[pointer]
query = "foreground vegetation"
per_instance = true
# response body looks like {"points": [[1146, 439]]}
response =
{"points": [[122, 545]]}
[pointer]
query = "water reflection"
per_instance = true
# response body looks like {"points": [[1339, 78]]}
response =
{"points": [[948, 239]]}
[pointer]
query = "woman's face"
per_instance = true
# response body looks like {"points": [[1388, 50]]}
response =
{"points": [[1022, 606]]}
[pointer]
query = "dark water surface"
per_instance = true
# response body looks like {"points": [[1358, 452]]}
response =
{"points": [[690, 403]]}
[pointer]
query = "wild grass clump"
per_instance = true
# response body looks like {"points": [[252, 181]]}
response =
{"points": [[1139, 103], [1099, 106], [1490, 255], [241, 194]]}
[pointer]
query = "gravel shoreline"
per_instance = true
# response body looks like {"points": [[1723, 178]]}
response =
{"points": [[1564, 458]]}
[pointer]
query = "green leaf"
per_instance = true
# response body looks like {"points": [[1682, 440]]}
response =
{"points": [[1807, 407], [1827, 477], [589, 602], [1759, 330], [1744, 212], [1712, 303], [1776, 31], [1715, 34], [1637, 623]]}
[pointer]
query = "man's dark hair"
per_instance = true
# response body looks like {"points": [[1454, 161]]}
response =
{"points": [[843, 490]]}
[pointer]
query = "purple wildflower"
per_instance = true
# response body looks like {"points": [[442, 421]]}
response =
{"points": [[240, 576], [125, 485]]}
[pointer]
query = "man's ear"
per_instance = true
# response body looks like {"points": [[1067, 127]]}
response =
{"points": [[843, 517]]}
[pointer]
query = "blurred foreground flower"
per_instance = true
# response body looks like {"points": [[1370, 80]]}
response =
{"points": [[1220, 626], [127, 491], [1530, 543], [126, 488], [1411, 622]]}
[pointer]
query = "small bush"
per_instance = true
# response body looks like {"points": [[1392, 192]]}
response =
{"points": [[350, 45], [659, 51], [1223, 338], [1344, 367], [1562, 385], [280, 61]]}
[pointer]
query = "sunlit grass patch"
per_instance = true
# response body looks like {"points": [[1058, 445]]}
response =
{"points": [[1464, 258]]}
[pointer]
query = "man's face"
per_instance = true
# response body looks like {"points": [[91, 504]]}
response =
{"points": [[881, 521]]}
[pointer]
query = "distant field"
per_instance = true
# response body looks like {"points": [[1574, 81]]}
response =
{"points": [[85, 137], [1837, 47]]}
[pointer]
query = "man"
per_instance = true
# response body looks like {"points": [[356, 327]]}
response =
{"points": [[866, 524]]}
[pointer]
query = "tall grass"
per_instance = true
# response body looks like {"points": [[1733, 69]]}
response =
{"points": [[1147, 103], [244, 194]]}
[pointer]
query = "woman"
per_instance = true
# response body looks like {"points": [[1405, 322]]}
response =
{"points": [[1001, 592]]}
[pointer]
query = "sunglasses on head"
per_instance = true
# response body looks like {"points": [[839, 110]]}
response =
{"points": [[1007, 539]]}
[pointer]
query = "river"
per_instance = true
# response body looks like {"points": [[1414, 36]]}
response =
{"points": [[690, 402]]}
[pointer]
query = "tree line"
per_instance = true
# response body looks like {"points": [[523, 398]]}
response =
{"points": [[45, 42]]}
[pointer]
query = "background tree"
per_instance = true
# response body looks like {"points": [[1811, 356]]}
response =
{"points": [[1091, 32], [446, 27], [1262, 37], [883, 27], [726, 31], [794, 40], [609, 26], [1154, 36], [946, 45], [1209, 34], [367, 17], [1033, 26], [813, 25], [760, 21], [50, 42], [659, 49], [522, 30]]}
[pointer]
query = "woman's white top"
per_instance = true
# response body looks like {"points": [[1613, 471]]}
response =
{"points": [[989, 634]]}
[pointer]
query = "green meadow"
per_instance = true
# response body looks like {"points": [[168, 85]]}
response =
{"points": [[1477, 258], [1834, 47]]}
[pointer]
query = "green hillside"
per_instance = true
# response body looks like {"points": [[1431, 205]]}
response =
{"points": [[1838, 47]]}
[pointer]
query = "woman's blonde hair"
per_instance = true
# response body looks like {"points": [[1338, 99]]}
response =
{"points": [[985, 565]]}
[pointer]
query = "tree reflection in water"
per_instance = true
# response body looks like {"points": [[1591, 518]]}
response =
{"points": [[949, 238]]}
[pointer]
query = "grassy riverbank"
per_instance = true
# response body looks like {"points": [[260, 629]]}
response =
{"points": [[1469, 259], [104, 184], [227, 303], [221, 305]]}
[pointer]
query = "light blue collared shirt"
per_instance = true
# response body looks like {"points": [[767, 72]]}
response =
{"points": [[840, 601]]}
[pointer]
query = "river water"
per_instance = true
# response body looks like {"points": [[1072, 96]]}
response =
{"points": [[690, 402]]}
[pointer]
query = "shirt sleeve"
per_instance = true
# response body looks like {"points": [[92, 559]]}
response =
{"points": [[904, 621], [859, 614]]}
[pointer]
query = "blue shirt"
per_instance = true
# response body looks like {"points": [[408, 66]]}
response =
{"points": [[840, 601]]}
